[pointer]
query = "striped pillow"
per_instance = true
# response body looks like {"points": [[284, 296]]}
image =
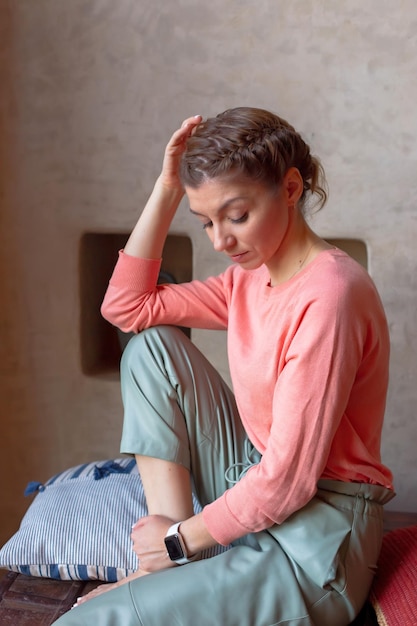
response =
{"points": [[78, 526]]}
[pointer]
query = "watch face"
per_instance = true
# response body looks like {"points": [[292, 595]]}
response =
{"points": [[174, 548]]}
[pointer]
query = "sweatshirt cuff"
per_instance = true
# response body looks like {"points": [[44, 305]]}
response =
{"points": [[135, 274], [221, 523]]}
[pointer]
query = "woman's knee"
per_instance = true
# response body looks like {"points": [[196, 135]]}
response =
{"points": [[150, 338]]}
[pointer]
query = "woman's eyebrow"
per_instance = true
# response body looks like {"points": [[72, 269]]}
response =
{"points": [[195, 213], [221, 208]]}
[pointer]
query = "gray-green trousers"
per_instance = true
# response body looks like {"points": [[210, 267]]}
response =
{"points": [[314, 569]]}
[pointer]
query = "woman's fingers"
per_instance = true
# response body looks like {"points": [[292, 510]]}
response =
{"points": [[181, 135], [192, 121], [175, 148]]}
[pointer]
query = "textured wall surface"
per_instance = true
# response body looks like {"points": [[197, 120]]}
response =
{"points": [[90, 92]]}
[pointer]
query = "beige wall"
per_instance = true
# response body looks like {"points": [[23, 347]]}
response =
{"points": [[90, 91]]}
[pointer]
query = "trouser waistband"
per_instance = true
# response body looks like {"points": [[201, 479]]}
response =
{"points": [[376, 493]]}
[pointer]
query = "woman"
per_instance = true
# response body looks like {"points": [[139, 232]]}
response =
{"points": [[291, 474]]}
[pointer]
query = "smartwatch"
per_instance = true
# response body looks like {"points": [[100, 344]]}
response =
{"points": [[175, 546]]}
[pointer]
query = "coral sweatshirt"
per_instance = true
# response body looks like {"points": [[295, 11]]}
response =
{"points": [[309, 366]]}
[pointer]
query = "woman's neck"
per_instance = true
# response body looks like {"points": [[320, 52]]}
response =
{"points": [[300, 246]]}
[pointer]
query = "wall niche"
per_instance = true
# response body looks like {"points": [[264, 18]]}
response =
{"points": [[101, 343], [356, 248]]}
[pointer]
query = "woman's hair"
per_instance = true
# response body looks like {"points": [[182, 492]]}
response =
{"points": [[253, 143]]}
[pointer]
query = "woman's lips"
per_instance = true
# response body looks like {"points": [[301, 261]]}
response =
{"points": [[238, 258]]}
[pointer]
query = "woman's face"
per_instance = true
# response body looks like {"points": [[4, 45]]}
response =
{"points": [[244, 219]]}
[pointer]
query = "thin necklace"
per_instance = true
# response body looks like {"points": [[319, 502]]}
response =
{"points": [[301, 263]]}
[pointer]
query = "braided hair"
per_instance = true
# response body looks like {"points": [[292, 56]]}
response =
{"points": [[253, 143]]}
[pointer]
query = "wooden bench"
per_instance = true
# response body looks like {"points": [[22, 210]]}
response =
{"points": [[30, 601]]}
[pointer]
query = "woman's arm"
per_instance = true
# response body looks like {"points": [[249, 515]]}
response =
{"points": [[149, 235]]}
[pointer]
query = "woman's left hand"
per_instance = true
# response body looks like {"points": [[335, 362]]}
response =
{"points": [[148, 542]]}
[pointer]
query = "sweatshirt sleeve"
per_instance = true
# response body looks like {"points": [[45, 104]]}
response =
{"points": [[134, 301]]}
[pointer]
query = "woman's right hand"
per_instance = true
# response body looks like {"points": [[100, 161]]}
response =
{"points": [[173, 152]]}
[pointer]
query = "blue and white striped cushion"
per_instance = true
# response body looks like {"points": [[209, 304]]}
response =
{"points": [[78, 527]]}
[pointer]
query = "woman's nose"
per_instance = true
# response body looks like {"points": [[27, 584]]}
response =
{"points": [[222, 240]]}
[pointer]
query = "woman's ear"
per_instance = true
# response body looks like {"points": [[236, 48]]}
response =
{"points": [[293, 186]]}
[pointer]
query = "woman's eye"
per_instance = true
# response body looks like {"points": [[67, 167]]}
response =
{"points": [[233, 220], [239, 220]]}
